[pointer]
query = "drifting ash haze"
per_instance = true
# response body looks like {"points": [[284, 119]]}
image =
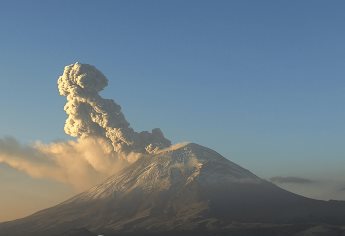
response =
{"points": [[106, 143], [81, 164]]}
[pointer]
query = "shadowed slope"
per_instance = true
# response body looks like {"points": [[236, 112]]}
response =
{"points": [[182, 188]]}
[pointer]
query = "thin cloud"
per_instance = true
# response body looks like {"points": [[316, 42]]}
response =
{"points": [[291, 180], [342, 189]]}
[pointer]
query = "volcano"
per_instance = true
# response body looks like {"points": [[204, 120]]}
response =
{"points": [[186, 189]]}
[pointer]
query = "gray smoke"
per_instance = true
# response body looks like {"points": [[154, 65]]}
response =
{"points": [[90, 115]]}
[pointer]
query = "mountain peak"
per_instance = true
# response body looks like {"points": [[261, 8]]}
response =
{"points": [[177, 166], [184, 187]]}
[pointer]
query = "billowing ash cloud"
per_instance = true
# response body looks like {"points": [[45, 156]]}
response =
{"points": [[105, 141], [90, 115], [291, 180]]}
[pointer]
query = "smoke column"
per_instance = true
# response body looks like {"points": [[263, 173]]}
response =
{"points": [[105, 141], [91, 115]]}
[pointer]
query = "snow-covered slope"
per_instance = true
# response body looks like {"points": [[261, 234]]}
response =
{"points": [[178, 166], [184, 187]]}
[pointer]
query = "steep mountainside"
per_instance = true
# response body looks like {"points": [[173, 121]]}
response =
{"points": [[186, 188]]}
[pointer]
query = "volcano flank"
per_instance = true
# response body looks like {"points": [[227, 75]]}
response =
{"points": [[186, 189]]}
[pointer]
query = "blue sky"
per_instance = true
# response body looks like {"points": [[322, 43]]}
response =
{"points": [[261, 82]]}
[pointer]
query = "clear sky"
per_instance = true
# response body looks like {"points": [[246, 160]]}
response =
{"points": [[261, 82]]}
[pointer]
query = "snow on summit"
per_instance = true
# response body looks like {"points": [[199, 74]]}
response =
{"points": [[180, 164]]}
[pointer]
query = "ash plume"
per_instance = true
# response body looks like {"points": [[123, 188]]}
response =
{"points": [[105, 141], [91, 115]]}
